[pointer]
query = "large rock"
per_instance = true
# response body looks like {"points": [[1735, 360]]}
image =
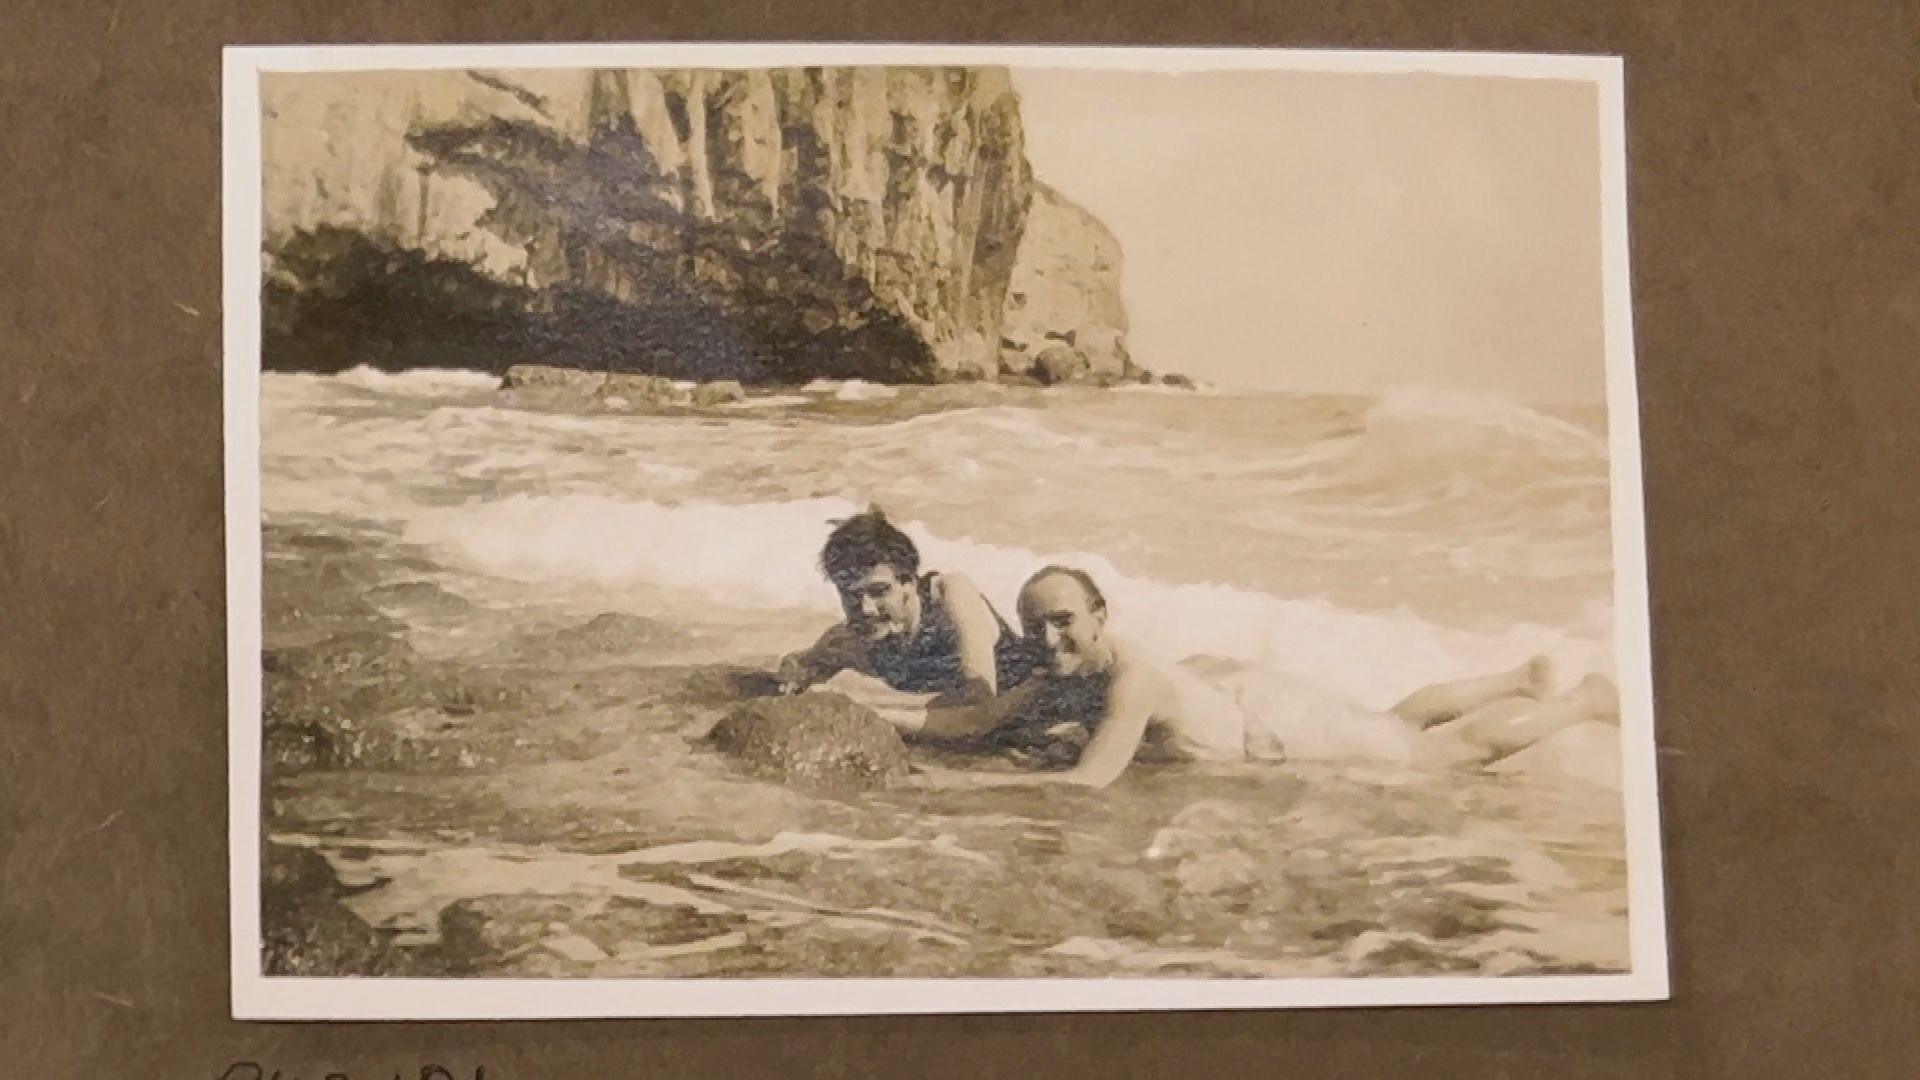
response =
{"points": [[580, 935], [719, 392], [1061, 364], [305, 929], [814, 740], [480, 935], [1065, 290], [753, 225], [576, 388]]}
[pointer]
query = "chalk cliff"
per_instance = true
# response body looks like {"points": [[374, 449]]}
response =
{"points": [[760, 225], [1065, 291]]}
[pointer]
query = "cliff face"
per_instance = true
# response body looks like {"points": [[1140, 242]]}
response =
{"points": [[1065, 290], [762, 225]]}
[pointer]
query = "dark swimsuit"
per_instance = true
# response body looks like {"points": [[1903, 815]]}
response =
{"points": [[1033, 733], [930, 662]]}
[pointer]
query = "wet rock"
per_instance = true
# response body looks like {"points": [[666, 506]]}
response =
{"points": [[1174, 843], [719, 392], [481, 934], [419, 596], [1126, 904], [573, 388], [628, 921], [615, 632], [1216, 873], [1210, 817], [1383, 952], [562, 935], [968, 358], [292, 873], [814, 740], [305, 929], [1060, 364], [362, 698], [546, 377], [713, 684], [314, 542], [574, 948], [642, 391]]}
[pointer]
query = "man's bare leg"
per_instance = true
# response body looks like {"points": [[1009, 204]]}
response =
{"points": [[1509, 725], [1446, 701], [1597, 694]]}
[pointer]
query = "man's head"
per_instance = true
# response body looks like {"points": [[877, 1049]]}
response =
{"points": [[1064, 613], [874, 566]]}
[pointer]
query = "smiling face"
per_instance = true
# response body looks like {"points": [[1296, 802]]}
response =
{"points": [[880, 604], [1068, 625]]}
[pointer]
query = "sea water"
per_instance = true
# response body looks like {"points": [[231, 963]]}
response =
{"points": [[1367, 546]]}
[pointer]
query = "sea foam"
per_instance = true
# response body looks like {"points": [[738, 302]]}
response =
{"points": [[640, 556]]}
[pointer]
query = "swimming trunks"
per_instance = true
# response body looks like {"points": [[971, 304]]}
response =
{"points": [[929, 663]]}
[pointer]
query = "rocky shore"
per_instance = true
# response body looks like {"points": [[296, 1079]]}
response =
{"points": [[350, 702]]}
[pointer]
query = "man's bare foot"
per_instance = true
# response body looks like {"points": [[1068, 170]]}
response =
{"points": [[1597, 694]]}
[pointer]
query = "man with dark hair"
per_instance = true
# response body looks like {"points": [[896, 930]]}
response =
{"points": [[918, 633], [864, 541]]}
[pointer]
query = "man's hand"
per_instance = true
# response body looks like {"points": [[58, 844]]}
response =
{"points": [[792, 676]]}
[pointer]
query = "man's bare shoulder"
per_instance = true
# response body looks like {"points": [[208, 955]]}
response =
{"points": [[1128, 655], [1135, 664], [959, 595], [950, 584]]}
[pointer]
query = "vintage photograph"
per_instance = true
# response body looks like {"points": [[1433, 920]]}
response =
{"points": [[850, 529]]}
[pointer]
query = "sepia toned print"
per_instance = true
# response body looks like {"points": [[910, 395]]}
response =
{"points": [[962, 518]]}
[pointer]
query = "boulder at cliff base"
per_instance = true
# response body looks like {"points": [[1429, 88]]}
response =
{"points": [[1061, 364]]}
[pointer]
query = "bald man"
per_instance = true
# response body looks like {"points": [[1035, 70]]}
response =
{"points": [[1132, 707]]}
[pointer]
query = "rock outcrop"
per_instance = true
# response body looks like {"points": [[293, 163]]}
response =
{"points": [[306, 929], [1065, 291], [763, 226], [756, 225], [1058, 364], [817, 740]]}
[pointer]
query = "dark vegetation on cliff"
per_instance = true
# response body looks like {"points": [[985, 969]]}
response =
{"points": [[768, 227], [650, 288]]}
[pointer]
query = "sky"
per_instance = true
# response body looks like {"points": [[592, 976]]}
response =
{"points": [[1342, 232]]}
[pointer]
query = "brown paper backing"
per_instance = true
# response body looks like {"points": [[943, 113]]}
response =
{"points": [[1774, 164]]}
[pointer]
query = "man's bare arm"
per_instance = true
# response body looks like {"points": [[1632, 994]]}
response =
{"points": [[1118, 734], [976, 634], [970, 721], [1117, 737], [833, 653]]}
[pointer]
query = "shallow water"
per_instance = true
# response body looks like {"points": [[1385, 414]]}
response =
{"points": [[546, 577]]}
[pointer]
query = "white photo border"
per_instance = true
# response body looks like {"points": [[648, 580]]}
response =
{"points": [[257, 996]]}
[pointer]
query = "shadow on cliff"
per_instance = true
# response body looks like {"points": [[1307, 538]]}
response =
{"points": [[620, 276]]}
